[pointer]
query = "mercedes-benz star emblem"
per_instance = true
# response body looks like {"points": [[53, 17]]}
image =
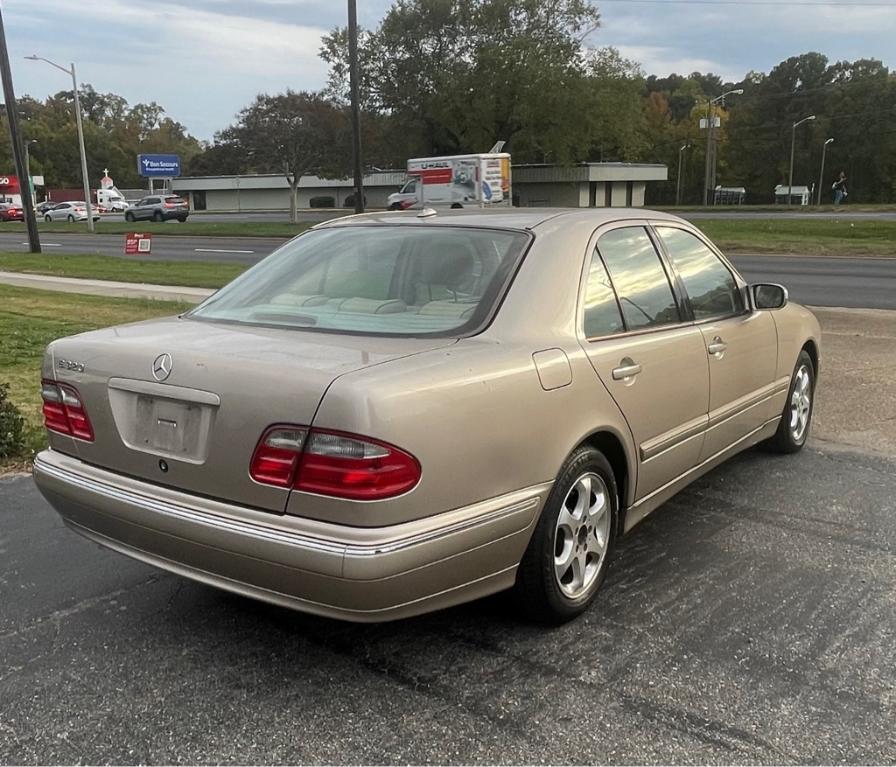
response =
{"points": [[161, 367]]}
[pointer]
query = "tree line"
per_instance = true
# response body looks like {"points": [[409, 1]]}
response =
{"points": [[453, 76]]}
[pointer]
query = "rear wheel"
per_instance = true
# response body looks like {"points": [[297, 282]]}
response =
{"points": [[182, 219], [157, 216], [567, 558], [793, 429]]}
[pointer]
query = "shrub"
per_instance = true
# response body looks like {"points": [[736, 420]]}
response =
{"points": [[12, 427], [322, 202]]}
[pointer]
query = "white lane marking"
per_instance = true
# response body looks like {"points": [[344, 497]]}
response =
{"points": [[47, 244], [218, 250]]}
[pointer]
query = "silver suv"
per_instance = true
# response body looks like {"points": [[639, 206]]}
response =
{"points": [[158, 208]]}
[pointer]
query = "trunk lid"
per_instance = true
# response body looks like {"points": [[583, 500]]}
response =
{"points": [[182, 402]]}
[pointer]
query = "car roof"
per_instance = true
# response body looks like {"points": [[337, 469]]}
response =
{"points": [[502, 218]]}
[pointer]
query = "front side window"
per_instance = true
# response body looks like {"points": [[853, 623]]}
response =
{"points": [[645, 294], [709, 283], [602, 317], [384, 280]]}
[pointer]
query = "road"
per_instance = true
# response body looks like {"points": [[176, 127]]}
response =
{"points": [[322, 215], [750, 620], [850, 282]]}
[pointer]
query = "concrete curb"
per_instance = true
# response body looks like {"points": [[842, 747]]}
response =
{"points": [[105, 287]]}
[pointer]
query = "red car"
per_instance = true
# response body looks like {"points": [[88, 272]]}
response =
{"points": [[11, 212]]}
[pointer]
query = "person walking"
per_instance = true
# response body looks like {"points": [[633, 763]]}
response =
{"points": [[839, 189]]}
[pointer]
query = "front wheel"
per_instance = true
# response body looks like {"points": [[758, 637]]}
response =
{"points": [[48, 218], [129, 217], [71, 218], [568, 556], [793, 429]]}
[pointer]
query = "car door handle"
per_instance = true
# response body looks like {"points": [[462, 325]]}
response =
{"points": [[716, 346], [627, 369]]}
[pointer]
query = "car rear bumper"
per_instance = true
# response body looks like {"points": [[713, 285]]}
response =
{"points": [[358, 574]]}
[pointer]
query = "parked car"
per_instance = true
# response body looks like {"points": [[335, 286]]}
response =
{"points": [[11, 212], [392, 413], [69, 211], [163, 207]]}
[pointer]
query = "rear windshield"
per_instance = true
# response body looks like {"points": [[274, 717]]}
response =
{"points": [[382, 280], [174, 199]]}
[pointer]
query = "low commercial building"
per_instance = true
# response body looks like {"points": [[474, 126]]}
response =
{"points": [[579, 186], [587, 185]]}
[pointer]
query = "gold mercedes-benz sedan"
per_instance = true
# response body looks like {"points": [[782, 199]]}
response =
{"points": [[398, 412]]}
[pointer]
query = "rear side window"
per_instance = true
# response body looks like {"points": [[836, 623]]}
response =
{"points": [[602, 317], [645, 294], [709, 283], [383, 280]]}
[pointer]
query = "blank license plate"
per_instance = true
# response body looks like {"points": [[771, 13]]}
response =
{"points": [[169, 426]]}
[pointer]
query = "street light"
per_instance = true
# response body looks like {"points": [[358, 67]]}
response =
{"points": [[709, 174], [28, 166], [678, 180], [792, 143], [824, 150], [85, 180]]}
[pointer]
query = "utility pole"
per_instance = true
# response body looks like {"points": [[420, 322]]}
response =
{"points": [[354, 76], [709, 173], [18, 149]]}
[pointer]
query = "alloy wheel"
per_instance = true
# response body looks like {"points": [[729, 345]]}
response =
{"points": [[582, 535], [800, 403]]}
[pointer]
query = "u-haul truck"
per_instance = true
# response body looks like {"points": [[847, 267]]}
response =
{"points": [[459, 181]]}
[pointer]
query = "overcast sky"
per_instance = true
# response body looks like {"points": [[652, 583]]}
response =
{"points": [[203, 60]]}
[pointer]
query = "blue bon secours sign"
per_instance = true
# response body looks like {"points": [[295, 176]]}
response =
{"points": [[158, 165]]}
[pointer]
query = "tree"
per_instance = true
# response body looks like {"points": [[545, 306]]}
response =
{"points": [[296, 133], [458, 75], [114, 134]]}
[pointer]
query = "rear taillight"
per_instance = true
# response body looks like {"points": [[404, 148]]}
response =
{"points": [[333, 463], [64, 411], [353, 467], [277, 455]]}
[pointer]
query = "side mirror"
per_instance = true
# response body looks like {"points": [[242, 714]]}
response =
{"points": [[768, 296]]}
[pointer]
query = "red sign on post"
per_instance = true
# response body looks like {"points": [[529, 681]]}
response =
{"points": [[135, 242]]}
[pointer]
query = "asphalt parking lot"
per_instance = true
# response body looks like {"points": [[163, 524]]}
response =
{"points": [[752, 619]]}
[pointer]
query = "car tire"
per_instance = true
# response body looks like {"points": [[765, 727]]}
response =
{"points": [[456, 206], [569, 552], [182, 219], [48, 219], [395, 206], [157, 216], [796, 419], [129, 217], [71, 218]]}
